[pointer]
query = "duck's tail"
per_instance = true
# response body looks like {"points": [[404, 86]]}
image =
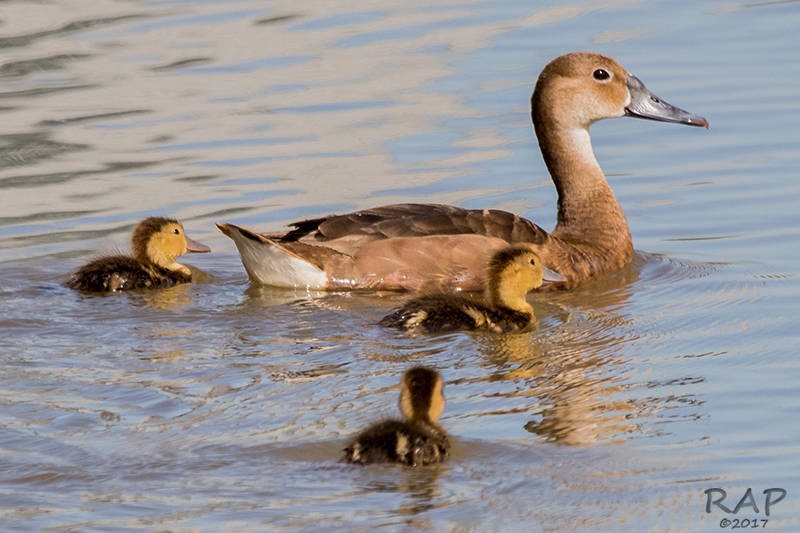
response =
{"points": [[269, 263]]}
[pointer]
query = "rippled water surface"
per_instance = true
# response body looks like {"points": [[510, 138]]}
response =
{"points": [[224, 406]]}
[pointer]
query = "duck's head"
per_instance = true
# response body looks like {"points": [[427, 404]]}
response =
{"points": [[513, 272], [578, 89], [160, 241], [422, 394]]}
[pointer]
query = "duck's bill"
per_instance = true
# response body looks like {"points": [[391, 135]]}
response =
{"points": [[551, 276], [645, 104], [196, 247]]}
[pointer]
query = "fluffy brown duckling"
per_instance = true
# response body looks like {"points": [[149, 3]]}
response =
{"points": [[156, 243], [513, 272], [417, 440]]}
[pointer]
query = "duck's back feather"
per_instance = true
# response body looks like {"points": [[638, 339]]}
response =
{"points": [[119, 272], [446, 312], [393, 441], [418, 220], [435, 313]]}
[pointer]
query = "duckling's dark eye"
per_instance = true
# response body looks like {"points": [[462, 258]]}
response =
{"points": [[601, 74], [176, 231], [533, 262]]}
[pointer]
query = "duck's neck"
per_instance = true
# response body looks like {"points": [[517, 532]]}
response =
{"points": [[588, 210], [505, 295]]}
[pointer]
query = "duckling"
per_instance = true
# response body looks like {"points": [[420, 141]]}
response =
{"points": [[512, 273], [156, 243], [417, 440]]}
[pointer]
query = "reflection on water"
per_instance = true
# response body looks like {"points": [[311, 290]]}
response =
{"points": [[570, 370], [421, 489], [220, 406]]}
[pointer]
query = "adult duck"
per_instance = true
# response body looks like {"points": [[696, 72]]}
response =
{"points": [[513, 272], [415, 441], [431, 246], [156, 243]]}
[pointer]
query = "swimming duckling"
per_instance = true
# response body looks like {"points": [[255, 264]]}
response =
{"points": [[156, 243], [513, 272], [417, 440]]}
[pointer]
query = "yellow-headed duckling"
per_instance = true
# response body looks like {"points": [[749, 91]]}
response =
{"points": [[513, 272], [417, 440], [419, 246], [156, 243]]}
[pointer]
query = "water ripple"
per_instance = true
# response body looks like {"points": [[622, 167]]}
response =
{"points": [[223, 406]]}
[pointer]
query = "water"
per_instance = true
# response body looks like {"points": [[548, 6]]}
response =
{"points": [[220, 406]]}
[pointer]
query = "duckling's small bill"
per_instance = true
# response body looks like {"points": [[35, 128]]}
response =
{"points": [[194, 247]]}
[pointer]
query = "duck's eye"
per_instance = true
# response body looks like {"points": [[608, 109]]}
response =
{"points": [[176, 231], [533, 262], [601, 74]]}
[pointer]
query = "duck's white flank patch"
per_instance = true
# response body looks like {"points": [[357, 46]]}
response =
{"points": [[269, 264]]}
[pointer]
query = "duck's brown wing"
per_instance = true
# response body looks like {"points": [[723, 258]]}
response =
{"points": [[417, 220]]}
